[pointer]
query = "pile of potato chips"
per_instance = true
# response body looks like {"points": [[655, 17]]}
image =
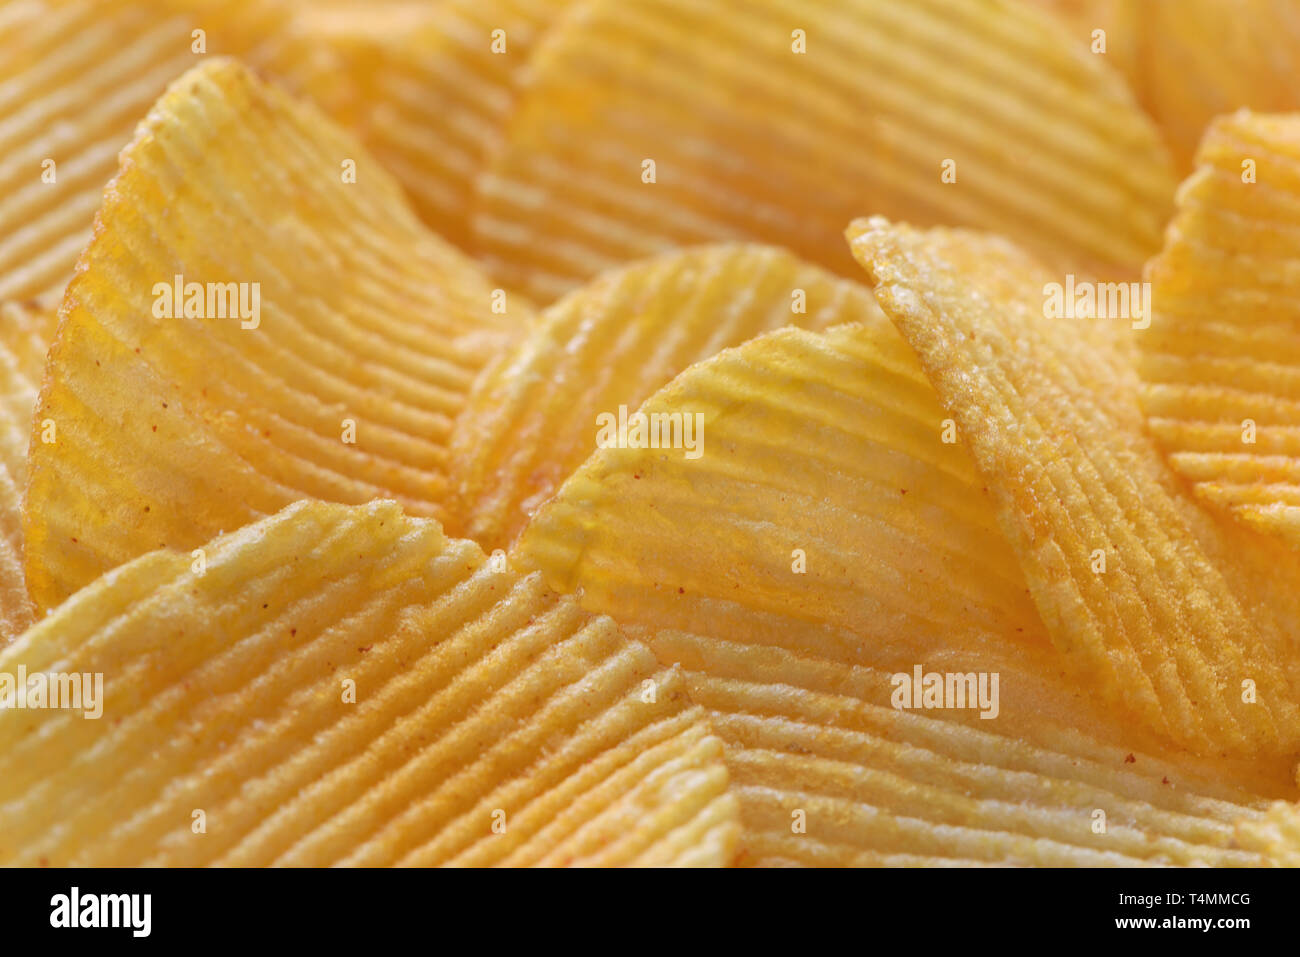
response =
{"points": [[650, 432]]}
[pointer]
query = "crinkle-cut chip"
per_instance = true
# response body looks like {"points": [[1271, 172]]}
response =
{"points": [[1221, 361], [75, 78], [753, 140], [1120, 19], [358, 337], [534, 416], [812, 490], [346, 685], [15, 606], [24, 333], [825, 519], [1202, 58], [1169, 627], [1189, 61], [427, 87], [827, 776], [1276, 834], [831, 444]]}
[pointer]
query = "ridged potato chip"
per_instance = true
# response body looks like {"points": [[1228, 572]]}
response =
{"points": [[1201, 58], [1277, 834], [1190, 60], [346, 685], [536, 413], [832, 513], [1121, 42], [830, 445], [825, 778], [249, 327], [1220, 361], [75, 78], [263, 478], [23, 335], [62, 123], [427, 87], [815, 491], [647, 124], [1144, 593]]}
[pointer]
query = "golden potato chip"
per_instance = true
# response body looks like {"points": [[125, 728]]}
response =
{"points": [[845, 594], [75, 78], [1121, 23], [799, 480], [825, 542], [1203, 58], [827, 449], [63, 124], [535, 415], [1219, 362], [24, 331], [647, 124], [249, 327], [820, 502], [825, 777], [1277, 834], [346, 685], [1190, 60], [427, 87], [1132, 580]]}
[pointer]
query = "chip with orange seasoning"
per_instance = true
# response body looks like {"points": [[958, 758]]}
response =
{"points": [[250, 326], [1142, 591], [428, 87], [62, 122], [537, 412], [1188, 61], [648, 124], [346, 685], [24, 332], [826, 545], [832, 521], [1221, 362]]}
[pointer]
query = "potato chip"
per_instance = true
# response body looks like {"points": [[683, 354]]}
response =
{"points": [[826, 778], [23, 334], [823, 506], [1219, 362], [63, 125], [426, 87], [249, 327], [346, 685], [75, 78], [1190, 60], [1201, 58], [826, 541], [960, 582], [1277, 834], [647, 124], [535, 414], [1129, 576], [1121, 40], [808, 486]]}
